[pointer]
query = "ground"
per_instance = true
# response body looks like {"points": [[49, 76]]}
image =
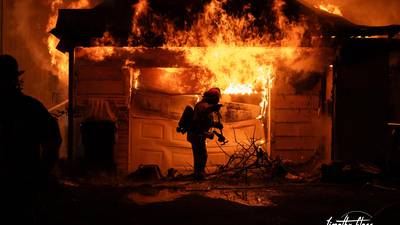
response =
{"points": [[205, 203]]}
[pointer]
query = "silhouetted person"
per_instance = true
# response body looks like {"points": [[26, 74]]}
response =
{"points": [[203, 121], [29, 144]]}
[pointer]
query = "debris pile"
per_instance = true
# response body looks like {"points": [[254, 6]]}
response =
{"points": [[250, 162]]}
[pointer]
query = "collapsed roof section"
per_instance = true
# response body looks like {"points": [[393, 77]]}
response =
{"points": [[78, 27]]}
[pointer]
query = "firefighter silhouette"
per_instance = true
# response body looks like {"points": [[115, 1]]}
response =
{"points": [[29, 145], [199, 131]]}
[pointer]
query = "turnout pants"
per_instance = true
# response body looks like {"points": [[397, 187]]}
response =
{"points": [[199, 153]]}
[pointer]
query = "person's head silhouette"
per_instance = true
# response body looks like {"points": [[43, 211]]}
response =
{"points": [[9, 78], [212, 96]]}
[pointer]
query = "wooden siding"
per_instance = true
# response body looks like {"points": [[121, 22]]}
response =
{"points": [[296, 120]]}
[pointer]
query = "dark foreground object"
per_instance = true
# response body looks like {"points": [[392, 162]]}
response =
{"points": [[294, 204]]}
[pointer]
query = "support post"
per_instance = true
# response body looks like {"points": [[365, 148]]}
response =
{"points": [[71, 78]]}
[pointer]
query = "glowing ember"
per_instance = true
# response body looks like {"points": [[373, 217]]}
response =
{"points": [[330, 9]]}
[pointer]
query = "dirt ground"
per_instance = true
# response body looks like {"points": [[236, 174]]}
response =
{"points": [[203, 203]]}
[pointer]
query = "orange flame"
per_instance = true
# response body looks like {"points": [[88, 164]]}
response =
{"points": [[106, 40], [97, 54], [139, 10], [239, 65], [240, 58], [330, 8]]}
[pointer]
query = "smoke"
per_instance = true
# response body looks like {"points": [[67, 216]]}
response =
{"points": [[25, 32], [367, 12], [29, 34], [26, 37]]}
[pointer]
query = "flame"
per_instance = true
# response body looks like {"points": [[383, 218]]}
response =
{"points": [[133, 78], [133, 74], [139, 9], [236, 70], [240, 57], [330, 8], [235, 88], [106, 40], [59, 60], [97, 54], [239, 70]]}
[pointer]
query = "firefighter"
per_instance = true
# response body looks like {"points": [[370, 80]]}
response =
{"points": [[203, 121], [29, 146]]}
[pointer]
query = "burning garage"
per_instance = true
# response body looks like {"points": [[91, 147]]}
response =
{"points": [[300, 108], [289, 73]]}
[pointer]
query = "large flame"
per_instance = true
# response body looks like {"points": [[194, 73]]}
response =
{"points": [[59, 60], [330, 8], [241, 58]]}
